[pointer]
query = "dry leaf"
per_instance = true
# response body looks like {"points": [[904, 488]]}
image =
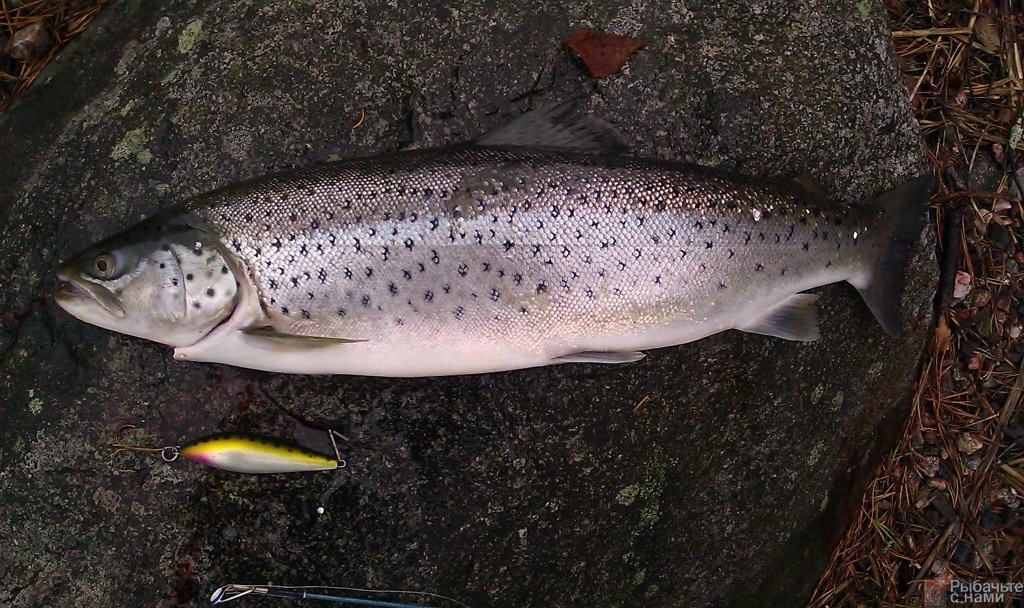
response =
{"points": [[604, 55], [986, 29], [962, 286], [29, 42]]}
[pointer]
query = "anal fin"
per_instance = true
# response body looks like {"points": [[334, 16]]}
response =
{"points": [[594, 356], [792, 319]]}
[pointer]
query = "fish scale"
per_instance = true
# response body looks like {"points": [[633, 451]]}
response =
{"points": [[507, 253], [543, 247]]}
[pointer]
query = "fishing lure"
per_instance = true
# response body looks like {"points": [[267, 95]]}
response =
{"points": [[230, 593], [242, 453]]}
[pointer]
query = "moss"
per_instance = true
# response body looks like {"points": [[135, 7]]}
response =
{"points": [[188, 36], [133, 144]]}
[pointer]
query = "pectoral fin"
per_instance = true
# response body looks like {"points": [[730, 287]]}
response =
{"points": [[792, 319], [592, 356], [275, 340]]}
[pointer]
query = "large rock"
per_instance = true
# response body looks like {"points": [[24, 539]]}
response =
{"points": [[716, 473]]}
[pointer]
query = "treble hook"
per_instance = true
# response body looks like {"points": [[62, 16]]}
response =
{"points": [[167, 453]]}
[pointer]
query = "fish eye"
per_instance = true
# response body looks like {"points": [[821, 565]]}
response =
{"points": [[103, 266]]}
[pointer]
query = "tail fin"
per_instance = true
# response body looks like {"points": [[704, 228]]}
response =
{"points": [[905, 208]]}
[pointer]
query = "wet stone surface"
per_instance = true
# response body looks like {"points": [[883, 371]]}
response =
{"points": [[728, 485]]}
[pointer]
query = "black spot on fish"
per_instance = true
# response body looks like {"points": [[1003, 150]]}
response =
{"points": [[223, 269], [284, 310], [434, 258], [293, 217], [341, 312], [758, 268], [369, 272], [366, 301], [495, 295], [542, 287], [428, 296], [657, 280], [447, 287], [348, 273], [247, 217], [463, 269], [303, 250], [210, 293], [392, 289], [408, 244], [807, 246], [721, 285], [162, 265], [486, 266], [314, 223], [310, 295], [731, 253], [196, 305], [189, 277], [699, 225], [305, 314], [637, 253], [322, 275], [459, 313], [407, 275]]}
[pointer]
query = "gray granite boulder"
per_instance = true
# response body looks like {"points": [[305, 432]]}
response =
{"points": [[718, 473]]}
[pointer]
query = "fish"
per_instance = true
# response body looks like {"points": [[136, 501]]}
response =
{"points": [[245, 453], [541, 242]]}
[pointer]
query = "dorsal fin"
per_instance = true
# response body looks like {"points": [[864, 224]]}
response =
{"points": [[558, 126]]}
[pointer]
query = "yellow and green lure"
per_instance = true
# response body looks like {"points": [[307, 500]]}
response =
{"points": [[244, 453]]}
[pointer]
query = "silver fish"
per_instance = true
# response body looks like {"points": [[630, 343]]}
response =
{"points": [[536, 244]]}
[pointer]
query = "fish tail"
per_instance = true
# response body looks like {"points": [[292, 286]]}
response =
{"points": [[905, 209]]}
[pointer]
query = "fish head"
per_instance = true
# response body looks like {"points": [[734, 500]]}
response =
{"points": [[166, 281]]}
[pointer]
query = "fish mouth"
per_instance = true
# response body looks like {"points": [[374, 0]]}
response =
{"points": [[76, 291]]}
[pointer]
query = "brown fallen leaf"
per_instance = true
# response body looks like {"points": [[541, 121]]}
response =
{"points": [[604, 55], [29, 42]]}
